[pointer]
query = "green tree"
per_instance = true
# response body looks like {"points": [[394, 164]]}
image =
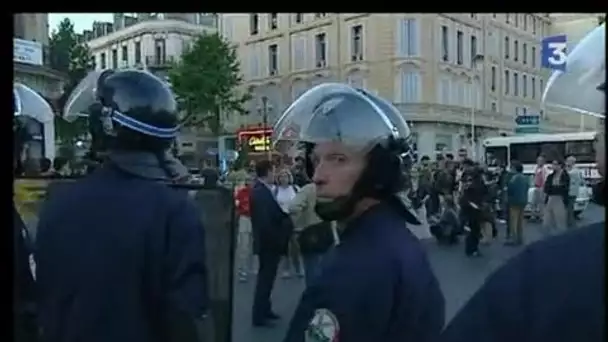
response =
{"points": [[206, 80], [71, 57]]}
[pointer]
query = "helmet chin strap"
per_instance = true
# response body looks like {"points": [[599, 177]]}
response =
{"points": [[336, 209]]}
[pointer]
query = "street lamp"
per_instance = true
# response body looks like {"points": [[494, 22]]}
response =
{"points": [[263, 110], [475, 63]]}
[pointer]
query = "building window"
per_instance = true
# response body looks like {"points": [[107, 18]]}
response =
{"points": [[534, 56], [253, 24], [443, 142], [114, 59], [507, 43], [299, 53], [473, 49], [507, 82], [103, 61], [137, 52], [515, 50], [273, 60], [357, 43], [321, 50], [534, 24], [533, 87], [444, 90], [254, 62], [515, 84], [356, 80], [494, 107], [524, 48], [125, 55], [459, 43], [525, 22], [407, 38], [273, 21], [409, 87], [160, 51], [298, 88], [516, 17], [524, 81], [493, 80], [445, 44], [298, 18]]}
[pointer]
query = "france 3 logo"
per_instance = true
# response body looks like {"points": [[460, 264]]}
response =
{"points": [[554, 53]]}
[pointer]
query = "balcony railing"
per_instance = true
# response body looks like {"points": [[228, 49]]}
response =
{"points": [[158, 61]]}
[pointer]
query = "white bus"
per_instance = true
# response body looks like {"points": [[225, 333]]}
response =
{"points": [[526, 148]]}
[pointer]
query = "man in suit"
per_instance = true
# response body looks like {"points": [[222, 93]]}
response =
{"points": [[271, 231]]}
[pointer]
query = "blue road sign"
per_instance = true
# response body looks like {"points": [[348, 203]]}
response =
{"points": [[554, 53], [527, 120], [526, 129]]}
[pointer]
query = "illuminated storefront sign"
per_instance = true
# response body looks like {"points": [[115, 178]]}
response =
{"points": [[257, 140], [259, 144]]}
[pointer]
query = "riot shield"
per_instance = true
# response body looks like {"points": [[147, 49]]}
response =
{"points": [[28, 196], [219, 219]]}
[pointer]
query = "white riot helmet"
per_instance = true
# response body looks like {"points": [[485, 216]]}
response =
{"points": [[581, 87], [30, 109], [335, 112]]}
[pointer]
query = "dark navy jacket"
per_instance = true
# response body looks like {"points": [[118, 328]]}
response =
{"points": [[270, 225], [377, 285], [24, 291], [118, 257], [552, 291]]}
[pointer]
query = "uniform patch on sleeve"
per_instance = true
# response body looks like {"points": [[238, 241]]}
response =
{"points": [[323, 327]]}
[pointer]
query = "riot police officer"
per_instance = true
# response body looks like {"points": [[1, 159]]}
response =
{"points": [[120, 253], [26, 105], [555, 289], [377, 284]]}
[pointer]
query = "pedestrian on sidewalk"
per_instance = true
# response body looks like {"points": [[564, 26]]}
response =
{"points": [[541, 172], [284, 192], [556, 189], [314, 236], [577, 181], [517, 199], [245, 257]]}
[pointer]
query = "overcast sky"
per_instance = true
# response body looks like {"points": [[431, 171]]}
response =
{"points": [[82, 21]]}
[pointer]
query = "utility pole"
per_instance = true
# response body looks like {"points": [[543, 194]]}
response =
{"points": [[264, 110]]}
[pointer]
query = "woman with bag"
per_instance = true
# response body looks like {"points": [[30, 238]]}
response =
{"points": [[284, 193], [313, 235]]}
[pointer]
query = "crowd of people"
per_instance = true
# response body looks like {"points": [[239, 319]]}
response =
{"points": [[463, 197], [454, 200]]}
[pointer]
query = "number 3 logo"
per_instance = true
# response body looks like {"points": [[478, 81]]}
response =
{"points": [[558, 51]]}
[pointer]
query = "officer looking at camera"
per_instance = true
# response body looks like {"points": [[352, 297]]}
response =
{"points": [[377, 284]]}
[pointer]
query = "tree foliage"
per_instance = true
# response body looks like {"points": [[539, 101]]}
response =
{"points": [[206, 80], [73, 58]]}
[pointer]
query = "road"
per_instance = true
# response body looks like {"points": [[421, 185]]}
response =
{"points": [[459, 277]]}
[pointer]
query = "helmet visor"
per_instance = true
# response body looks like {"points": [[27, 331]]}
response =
{"points": [[334, 112], [28, 102], [82, 97], [578, 88]]}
